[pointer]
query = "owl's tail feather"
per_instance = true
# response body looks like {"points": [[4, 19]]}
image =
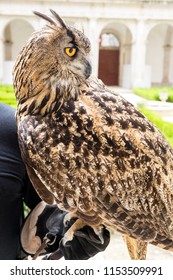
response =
{"points": [[137, 248], [163, 243]]}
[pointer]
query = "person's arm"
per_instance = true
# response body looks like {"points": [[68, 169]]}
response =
{"points": [[31, 198]]}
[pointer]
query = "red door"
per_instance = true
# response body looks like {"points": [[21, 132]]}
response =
{"points": [[109, 66]]}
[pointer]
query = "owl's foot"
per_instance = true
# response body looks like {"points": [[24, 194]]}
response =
{"points": [[68, 236], [68, 217], [77, 225], [99, 232]]}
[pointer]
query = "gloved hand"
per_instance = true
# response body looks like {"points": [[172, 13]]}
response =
{"points": [[47, 221], [85, 244]]}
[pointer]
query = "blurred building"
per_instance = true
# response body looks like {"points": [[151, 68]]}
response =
{"points": [[132, 40]]}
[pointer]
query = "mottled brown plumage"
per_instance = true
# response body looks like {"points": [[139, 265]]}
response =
{"points": [[87, 148]]}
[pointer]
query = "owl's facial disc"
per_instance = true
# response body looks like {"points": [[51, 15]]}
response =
{"points": [[81, 68], [77, 53]]}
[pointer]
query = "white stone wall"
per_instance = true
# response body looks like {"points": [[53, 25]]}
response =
{"points": [[143, 28]]}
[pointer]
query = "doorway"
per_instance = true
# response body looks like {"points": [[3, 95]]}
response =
{"points": [[109, 59]]}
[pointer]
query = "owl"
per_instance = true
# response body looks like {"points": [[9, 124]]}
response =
{"points": [[88, 149]]}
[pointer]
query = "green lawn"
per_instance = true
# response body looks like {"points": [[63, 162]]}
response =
{"points": [[165, 128], [153, 93], [7, 95]]}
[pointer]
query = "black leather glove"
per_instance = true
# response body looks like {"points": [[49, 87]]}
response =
{"points": [[85, 244], [46, 223]]}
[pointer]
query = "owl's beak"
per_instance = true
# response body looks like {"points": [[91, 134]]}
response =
{"points": [[88, 69]]}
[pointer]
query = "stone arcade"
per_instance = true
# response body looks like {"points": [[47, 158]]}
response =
{"points": [[132, 40]]}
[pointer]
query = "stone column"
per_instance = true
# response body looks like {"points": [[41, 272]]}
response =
{"points": [[1, 58], [93, 35], [138, 56], [166, 65], [124, 60]]}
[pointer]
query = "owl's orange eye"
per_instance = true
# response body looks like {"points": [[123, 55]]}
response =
{"points": [[70, 51]]}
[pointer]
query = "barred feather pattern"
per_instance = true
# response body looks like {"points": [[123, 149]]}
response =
{"points": [[103, 160], [87, 148]]}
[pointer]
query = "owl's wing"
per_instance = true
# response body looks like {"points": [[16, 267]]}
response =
{"points": [[137, 163], [39, 186]]}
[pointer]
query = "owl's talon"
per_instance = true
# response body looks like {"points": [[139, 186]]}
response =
{"points": [[99, 232], [66, 222], [78, 224], [64, 241], [68, 217], [68, 236], [101, 238]]}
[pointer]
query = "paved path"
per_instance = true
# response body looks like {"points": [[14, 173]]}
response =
{"points": [[164, 109], [129, 95]]}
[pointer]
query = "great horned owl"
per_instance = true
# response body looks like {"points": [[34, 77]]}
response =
{"points": [[87, 149]]}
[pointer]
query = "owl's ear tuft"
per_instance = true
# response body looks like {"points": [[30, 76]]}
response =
{"points": [[58, 19], [45, 17]]}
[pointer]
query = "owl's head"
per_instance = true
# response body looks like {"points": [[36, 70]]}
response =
{"points": [[56, 58], [68, 46]]}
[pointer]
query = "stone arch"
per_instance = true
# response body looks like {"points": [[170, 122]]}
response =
{"points": [[16, 33], [159, 54], [115, 57]]}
